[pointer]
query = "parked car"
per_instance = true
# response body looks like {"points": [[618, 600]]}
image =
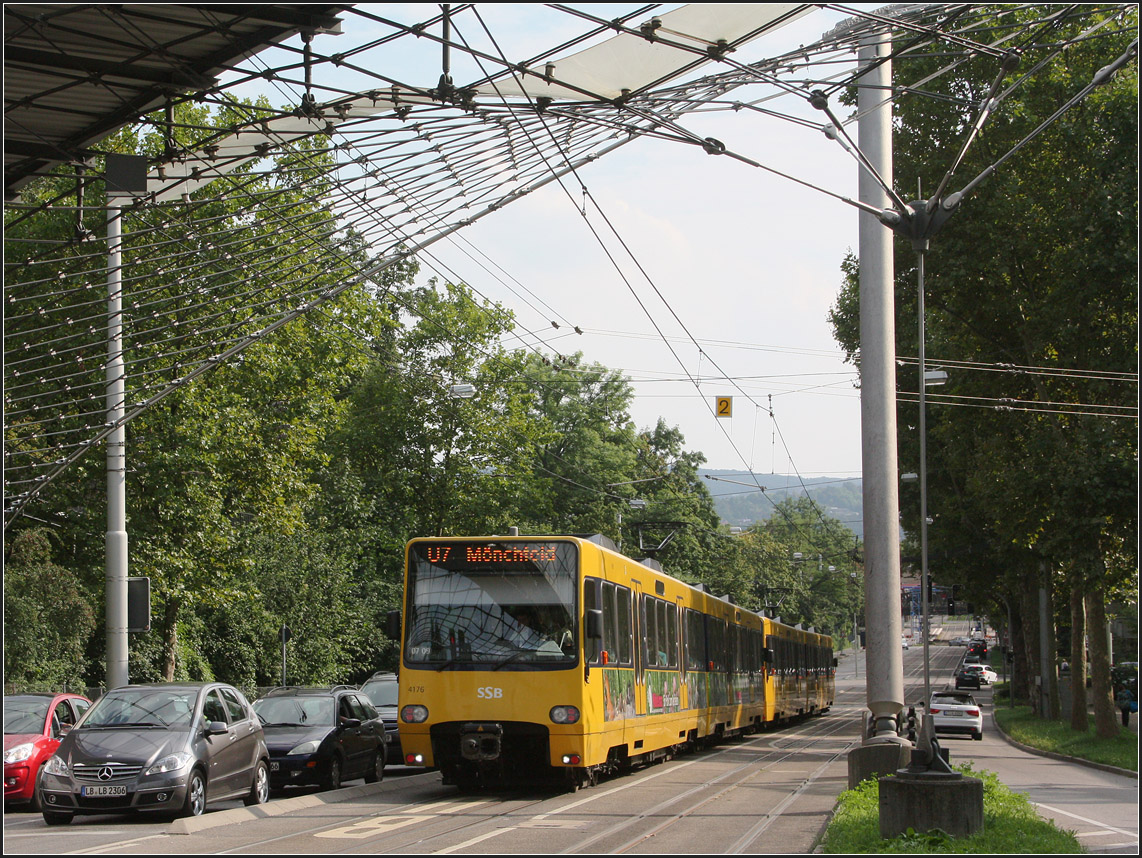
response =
{"points": [[968, 679], [33, 727], [381, 689], [960, 641], [170, 747], [956, 712], [322, 736]]}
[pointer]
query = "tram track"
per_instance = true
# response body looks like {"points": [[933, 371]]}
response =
{"points": [[754, 769], [403, 828]]}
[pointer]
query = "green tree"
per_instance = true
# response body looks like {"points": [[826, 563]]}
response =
{"points": [[47, 615], [1031, 299]]}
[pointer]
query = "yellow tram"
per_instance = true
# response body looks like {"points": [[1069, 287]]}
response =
{"points": [[558, 658]]}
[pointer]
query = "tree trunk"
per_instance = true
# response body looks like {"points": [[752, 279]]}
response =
{"points": [[1105, 716], [1079, 719], [1029, 608], [170, 639], [1050, 669]]}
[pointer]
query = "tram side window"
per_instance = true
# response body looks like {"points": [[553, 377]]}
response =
{"points": [[663, 633], [671, 635], [718, 649], [614, 601], [695, 640], [625, 636]]}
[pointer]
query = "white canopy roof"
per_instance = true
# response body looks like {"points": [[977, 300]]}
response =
{"points": [[630, 62]]}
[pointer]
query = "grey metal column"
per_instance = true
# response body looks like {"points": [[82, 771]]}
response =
{"points": [[884, 666], [116, 542]]}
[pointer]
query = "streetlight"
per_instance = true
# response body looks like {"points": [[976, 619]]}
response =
{"points": [[462, 391]]}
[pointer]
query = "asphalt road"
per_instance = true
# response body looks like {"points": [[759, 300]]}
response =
{"points": [[771, 793]]}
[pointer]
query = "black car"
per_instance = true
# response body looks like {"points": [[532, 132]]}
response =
{"points": [[381, 689], [968, 678], [322, 736], [169, 747]]}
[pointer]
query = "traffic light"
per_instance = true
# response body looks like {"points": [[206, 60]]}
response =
{"points": [[951, 608]]}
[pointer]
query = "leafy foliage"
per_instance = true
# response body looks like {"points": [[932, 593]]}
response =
{"points": [[47, 615]]}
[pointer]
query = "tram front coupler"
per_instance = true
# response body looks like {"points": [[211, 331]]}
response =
{"points": [[481, 742]]}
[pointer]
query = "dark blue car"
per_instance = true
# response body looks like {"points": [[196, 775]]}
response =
{"points": [[322, 736]]}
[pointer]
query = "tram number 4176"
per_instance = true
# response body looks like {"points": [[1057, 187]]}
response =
{"points": [[489, 692]]}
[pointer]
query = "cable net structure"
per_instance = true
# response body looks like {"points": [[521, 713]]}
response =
{"points": [[255, 216]]}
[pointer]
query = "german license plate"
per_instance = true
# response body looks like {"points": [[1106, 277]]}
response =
{"points": [[275, 765], [954, 714], [105, 790]]}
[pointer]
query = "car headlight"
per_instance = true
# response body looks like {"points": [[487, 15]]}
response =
{"points": [[56, 766], [305, 748], [170, 763], [19, 753]]}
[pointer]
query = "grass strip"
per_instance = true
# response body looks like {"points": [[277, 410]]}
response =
{"points": [[1010, 825], [1058, 737]]}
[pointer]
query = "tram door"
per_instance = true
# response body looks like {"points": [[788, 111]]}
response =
{"points": [[680, 627], [636, 726]]}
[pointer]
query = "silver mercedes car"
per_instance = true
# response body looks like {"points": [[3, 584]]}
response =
{"points": [[170, 747]]}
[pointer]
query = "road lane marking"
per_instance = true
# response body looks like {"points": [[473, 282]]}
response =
{"points": [[111, 847], [474, 840], [1094, 822], [372, 827]]}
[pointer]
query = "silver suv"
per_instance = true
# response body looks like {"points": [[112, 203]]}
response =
{"points": [[381, 689]]}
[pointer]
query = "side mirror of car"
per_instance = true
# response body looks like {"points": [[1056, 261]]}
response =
{"points": [[215, 728], [348, 722]]}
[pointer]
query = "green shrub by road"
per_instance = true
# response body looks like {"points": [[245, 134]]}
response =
{"points": [[1010, 825]]}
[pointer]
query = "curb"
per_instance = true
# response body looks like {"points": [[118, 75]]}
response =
{"points": [[1105, 767], [276, 807]]}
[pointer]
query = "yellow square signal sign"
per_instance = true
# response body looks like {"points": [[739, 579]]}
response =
{"points": [[724, 406]]}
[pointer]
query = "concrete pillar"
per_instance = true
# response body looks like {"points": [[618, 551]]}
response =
{"points": [[884, 668]]}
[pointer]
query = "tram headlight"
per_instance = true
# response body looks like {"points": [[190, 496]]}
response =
{"points": [[414, 714], [564, 714]]}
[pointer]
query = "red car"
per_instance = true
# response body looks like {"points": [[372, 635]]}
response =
{"points": [[33, 727]]}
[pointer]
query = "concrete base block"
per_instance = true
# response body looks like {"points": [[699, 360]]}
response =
{"points": [[924, 802], [877, 760]]}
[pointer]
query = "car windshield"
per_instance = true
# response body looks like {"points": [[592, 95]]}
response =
{"points": [[295, 711], [24, 715], [143, 707], [953, 700], [381, 693]]}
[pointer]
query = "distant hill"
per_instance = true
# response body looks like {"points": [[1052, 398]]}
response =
{"points": [[742, 506]]}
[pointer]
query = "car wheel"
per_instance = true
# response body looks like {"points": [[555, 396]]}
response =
{"points": [[333, 778], [55, 817], [37, 802], [260, 788], [978, 736], [195, 802], [376, 772]]}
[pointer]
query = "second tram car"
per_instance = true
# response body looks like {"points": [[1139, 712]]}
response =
{"points": [[558, 658]]}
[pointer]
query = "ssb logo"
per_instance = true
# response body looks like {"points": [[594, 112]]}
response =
{"points": [[489, 692]]}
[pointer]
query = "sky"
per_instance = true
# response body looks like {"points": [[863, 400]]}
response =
{"points": [[708, 250]]}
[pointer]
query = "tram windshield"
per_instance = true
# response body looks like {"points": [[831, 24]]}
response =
{"points": [[493, 605]]}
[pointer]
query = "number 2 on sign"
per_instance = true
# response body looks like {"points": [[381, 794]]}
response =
{"points": [[725, 406]]}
